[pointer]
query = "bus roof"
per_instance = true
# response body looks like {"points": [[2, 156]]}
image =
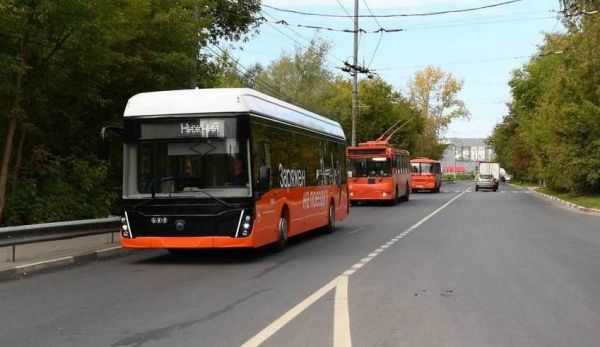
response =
{"points": [[228, 100], [369, 148], [424, 160]]}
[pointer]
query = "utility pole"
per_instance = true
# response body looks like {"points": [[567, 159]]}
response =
{"points": [[354, 73]]}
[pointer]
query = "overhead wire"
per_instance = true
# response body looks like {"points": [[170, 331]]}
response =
{"points": [[395, 30], [309, 41], [269, 87], [380, 34], [423, 14]]}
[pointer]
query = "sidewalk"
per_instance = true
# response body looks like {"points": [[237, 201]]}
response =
{"points": [[47, 255]]}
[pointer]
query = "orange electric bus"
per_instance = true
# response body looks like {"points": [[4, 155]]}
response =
{"points": [[378, 172], [221, 168], [426, 174]]}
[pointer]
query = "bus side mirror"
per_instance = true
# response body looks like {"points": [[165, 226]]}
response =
{"points": [[264, 179], [105, 133]]}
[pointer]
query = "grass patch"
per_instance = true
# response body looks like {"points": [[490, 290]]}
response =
{"points": [[525, 184], [459, 177], [590, 201]]}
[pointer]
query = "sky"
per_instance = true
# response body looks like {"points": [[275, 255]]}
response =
{"points": [[481, 48]]}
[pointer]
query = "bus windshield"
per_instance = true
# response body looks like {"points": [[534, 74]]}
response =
{"points": [[422, 168], [180, 167], [370, 167]]}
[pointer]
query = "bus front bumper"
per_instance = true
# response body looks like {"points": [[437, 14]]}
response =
{"points": [[373, 195], [189, 242]]}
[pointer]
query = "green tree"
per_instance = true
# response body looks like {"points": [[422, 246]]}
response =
{"points": [[68, 67], [553, 129], [303, 78]]}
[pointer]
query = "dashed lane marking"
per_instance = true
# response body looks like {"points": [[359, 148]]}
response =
{"points": [[341, 323]]}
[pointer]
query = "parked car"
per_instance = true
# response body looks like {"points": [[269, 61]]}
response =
{"points": [[486, 181]]}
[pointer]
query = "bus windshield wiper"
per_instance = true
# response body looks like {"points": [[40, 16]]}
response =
{"points": [[226, 204]]}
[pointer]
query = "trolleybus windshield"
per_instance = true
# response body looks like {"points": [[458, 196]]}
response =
{"points": [[370, 167], [422, 168]]}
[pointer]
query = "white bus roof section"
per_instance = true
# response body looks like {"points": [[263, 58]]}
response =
{"points": [[227, 100]]}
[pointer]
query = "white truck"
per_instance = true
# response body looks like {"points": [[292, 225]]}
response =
{"points": [[488, 168]]}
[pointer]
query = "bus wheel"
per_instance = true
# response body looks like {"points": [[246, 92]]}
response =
{"points": [[406, 196], [330, 228], [282, 233]]}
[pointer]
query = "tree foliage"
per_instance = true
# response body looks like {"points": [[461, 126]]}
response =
{"points": [[552, 132], [68, 67], [303, 78]]}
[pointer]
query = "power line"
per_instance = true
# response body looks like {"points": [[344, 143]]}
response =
{"points": [[258, 81], [393, 30], [380, 35], [393, 15], [455, 63], [345, 11], [298, 42]]}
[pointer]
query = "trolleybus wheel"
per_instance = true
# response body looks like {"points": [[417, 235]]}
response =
{"points": [[330, 228], [406, 196]]}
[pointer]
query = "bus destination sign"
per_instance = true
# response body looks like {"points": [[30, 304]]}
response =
{"points": [[203, 128]]}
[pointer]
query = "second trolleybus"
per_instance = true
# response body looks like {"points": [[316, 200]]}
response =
{"points": [[426, 174], [378, 172], [220, 168]]}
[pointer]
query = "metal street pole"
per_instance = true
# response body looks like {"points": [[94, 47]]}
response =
{"points": [[355, 75]]}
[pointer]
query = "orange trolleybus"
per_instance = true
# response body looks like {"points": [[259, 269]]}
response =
{"points": [[219, 168], [426, 174], [378, 172]]}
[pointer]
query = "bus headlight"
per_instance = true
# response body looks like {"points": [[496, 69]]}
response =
{"points": [[384, 194], [124, 227], [245, 228]]}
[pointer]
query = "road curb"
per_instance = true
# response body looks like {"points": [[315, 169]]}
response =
{"points": [[566, 203], [23, 270]]}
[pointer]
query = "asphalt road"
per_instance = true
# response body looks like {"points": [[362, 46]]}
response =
{"points": [[450, 269]]}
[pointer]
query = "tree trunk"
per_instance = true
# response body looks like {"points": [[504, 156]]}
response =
{"points": [[18, 159], [12, 121], [12, 125]]}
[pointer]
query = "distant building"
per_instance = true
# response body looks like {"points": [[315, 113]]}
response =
{"points": [[463, 154]]}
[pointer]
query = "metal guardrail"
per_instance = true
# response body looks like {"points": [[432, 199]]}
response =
{"points": [[25, 234]]}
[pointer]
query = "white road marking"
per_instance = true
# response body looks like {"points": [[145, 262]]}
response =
{"points": [[341, 324], [63, 259], [280, 322], [341, 315]]}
